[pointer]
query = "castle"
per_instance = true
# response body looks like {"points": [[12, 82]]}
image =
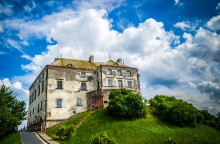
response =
{"points": [[67, 87]]}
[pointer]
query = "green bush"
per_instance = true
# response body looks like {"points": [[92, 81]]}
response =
{"points": [[174, 111], [124, 104], [102, 138], [64, 132]]}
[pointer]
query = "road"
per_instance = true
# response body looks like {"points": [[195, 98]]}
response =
{"points": [[31, 138]]}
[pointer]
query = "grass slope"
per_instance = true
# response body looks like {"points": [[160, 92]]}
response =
{"points": [[14, 138], [142, 131]]}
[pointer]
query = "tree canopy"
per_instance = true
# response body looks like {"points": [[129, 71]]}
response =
{"points": [[180, 113], [124, 104], [12, 111]]}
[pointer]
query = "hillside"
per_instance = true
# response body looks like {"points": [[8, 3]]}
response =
{"points": [[149, 130]]}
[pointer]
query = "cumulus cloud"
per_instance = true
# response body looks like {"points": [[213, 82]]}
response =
{"points": [[18, 90], [164, 69], [214, 23], [218, 6], [182, 25]]}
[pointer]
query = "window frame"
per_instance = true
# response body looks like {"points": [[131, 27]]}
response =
{"points": [[82, 88], [128, 73], [59, 84], [109, 71], [119, 72], [42, 86], [131, 82], [59, 105], [79, 102], [111, 82], [83, 74], [38, 90], [120, 86]]}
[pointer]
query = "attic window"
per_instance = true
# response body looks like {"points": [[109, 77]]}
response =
{"points": [[116, 63], [69, 65]]}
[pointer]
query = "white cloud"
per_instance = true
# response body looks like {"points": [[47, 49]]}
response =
{"points": [[17, 88], [146, 46], [6, 9], [182, 25], [97, 4], [214, 23], [218, 6], [1, 29], [177, 2]]}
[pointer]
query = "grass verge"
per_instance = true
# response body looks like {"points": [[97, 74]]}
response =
{"points": [[13, 138]]}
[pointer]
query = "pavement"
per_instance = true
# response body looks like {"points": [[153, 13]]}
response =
{"points": [[31, 138], [46, 138]]}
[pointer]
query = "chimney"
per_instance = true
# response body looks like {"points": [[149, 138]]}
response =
{"points": [[119, 60], [91, 59]]}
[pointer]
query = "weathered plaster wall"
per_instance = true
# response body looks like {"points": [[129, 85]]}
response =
{"points": [[71, 81]]}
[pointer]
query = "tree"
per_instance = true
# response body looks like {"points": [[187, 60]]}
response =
{"points": [[12, 111], [124, 104], [174, 111]]}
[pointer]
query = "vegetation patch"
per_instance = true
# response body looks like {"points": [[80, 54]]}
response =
{"points": [[147, 130], [124, 104], [13, 138], [102, 138], [12, 111], [181, 113]]}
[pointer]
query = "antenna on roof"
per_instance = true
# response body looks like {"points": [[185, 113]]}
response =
{"points": [[109, 56], [58, 52]]}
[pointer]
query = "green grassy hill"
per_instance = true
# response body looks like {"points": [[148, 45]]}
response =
{"points": [[142, 131]]}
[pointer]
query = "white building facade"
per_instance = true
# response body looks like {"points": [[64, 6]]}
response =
{"points": [[67, 87]]}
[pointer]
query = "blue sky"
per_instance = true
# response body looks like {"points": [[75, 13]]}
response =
{"points": [[175, 44]]}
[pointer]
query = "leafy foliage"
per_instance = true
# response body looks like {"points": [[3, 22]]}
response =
{"points": [[124, 104], [102, 138], [12, 111], [64, 132], [174, 111]]}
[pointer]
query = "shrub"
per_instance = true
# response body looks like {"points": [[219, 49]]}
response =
{"points": [[124, 104], [64, 132], [174, 111], [102, 138], [170, 141]]}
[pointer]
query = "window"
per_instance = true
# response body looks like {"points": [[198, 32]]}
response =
{"points": [[59, 103], [129, 84], [38, 90], [35, 94], [41, 105], [83, 86], [120, 83], [33, 110], [79, 102], [42, 87], [38, 108], [110, 82], [83, 75], [30, 113], [109, 72], [128, 73], [119, 72], [59, 84]]}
